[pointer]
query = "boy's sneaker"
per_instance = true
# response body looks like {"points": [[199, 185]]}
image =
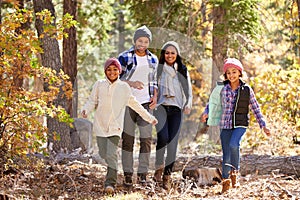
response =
{"points": [[127, 181], [109, 190]]}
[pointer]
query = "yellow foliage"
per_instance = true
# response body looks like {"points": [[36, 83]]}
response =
{"points": [[23, 109], [278, 93]]}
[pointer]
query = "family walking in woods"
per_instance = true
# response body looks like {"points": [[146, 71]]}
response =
{"points": [[140, 90]]}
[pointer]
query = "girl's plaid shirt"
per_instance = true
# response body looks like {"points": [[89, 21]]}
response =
{"points": [[228, 97]]}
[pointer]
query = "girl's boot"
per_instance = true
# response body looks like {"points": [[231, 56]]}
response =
{"points": [[225, 185], [234, 178]]}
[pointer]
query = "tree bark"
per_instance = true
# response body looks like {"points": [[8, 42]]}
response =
{"points": [[298, 44], [250, 164], [298, 6], [121, 29], [70, 55], [220, 41], [51, 58], [19, 80], [0, 11], [219, 52]]}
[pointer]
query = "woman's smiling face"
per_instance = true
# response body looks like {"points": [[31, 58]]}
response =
{"points": [[170, 55]]}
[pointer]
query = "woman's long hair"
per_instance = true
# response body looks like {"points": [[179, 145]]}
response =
{"points": [[181, 68]]}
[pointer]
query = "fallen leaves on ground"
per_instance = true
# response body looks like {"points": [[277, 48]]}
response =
{"points": [[84, 180]]}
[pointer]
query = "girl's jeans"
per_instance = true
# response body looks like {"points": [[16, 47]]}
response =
{"points": [[231, 141], [168, 129], [108, 147]]}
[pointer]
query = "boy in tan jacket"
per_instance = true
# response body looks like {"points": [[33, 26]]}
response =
{"points": [[110, 97]]}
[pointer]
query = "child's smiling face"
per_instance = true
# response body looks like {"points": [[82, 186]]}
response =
{"points": [[233, 74], [112, 73]]}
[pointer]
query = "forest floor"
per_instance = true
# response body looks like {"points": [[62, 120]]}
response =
{"points": [[81, 176], [83, 179]]}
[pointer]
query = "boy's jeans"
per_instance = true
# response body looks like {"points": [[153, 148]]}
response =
{"points": [[108, 147], [231, 141]]}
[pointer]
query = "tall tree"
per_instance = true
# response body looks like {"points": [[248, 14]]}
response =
{"points": [[298, 25], [220, 41], [298, 5], [1, 5], [70, 56], [121, 27], [51, 58], [233, 23], [219, 53], [19, 80]]}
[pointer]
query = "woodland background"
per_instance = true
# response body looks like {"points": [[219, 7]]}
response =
{"points": [[51, 53]]}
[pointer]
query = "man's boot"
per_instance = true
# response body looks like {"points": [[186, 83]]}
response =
{"points": [[167, 182], [225, 185], [158, 175], [142, 178], [234, 178], [128, 180]]}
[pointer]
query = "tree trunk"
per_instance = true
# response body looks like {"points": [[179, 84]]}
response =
{"points": [[51, 58], [121, 28], [220, 41], [70, 55], [298, 6], [20, 81], [250, 164], [298, 44], [219, 51]]}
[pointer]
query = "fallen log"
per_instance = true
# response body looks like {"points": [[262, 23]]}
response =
{"points": [[250, 163], [203, 176]]}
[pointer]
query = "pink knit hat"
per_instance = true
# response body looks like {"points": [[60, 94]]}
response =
{"points": [[113, 61], [233, 62]]}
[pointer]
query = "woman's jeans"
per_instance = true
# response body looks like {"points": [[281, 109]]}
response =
{"points": [[108, 147], [168, 129], [231, 141]]}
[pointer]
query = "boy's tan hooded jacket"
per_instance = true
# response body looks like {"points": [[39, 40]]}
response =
{"points": [[110, 100]]}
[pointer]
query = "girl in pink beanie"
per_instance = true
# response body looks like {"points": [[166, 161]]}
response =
{"points": [[233, 62], [236, 98]]}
